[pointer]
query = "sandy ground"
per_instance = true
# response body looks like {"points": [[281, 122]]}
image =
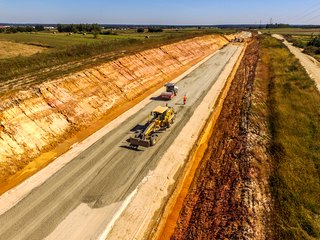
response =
{"points": [[142, 213], [311, 65], [11, 49]]}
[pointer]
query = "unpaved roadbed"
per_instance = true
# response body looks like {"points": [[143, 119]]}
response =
{"points": [[137, 221]]}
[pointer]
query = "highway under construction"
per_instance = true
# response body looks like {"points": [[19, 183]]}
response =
{"points": [[87, 194]]}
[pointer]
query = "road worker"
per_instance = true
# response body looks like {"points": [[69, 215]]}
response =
{"points": [[184, 99]]}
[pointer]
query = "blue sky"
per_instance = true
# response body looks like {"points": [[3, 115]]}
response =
{"points": [[160, 11]]}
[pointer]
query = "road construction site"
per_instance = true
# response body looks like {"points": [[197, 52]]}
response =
{"points": [[41, 122], [87, 193]]}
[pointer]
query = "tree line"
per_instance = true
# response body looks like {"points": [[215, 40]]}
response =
{"points": [[278, 25], [37, 28], [75, 28], [150, 30]]}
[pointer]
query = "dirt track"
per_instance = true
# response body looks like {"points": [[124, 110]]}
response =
{"points": [[311, 65], [228, 198]]}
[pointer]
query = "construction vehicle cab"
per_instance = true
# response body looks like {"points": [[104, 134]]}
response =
{"points": [[159, 119], [163, 116]]}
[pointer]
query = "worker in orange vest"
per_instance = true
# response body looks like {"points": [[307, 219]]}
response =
{"points": [[184, 99]]}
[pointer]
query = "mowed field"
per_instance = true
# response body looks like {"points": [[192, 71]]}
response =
{"points": [[11, 49]]}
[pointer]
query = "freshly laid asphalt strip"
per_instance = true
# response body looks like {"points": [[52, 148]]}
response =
{"points": [[108, 171]]}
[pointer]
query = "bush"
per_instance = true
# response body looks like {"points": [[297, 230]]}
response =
{"points": [[315, 42], [39, 28], [108, 33], [79, 28], [151, 30], [297, 43], [311, 50], [140, 30]]}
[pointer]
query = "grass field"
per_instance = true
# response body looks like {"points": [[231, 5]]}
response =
{"points": [[75, 52], [51, 40], [299, 37], [294, 104], [61, 40], [302, 41], [293, 31]]}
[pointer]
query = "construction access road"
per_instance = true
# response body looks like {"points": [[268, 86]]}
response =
{"points": [[82, 198]]}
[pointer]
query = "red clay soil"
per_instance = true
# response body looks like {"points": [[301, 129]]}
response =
{"points": [[226, 199]]}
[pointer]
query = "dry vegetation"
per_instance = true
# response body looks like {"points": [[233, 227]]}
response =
{"points": [[294, 121], [11, 49]]}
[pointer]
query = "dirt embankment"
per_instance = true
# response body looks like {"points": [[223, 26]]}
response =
{"points": [[229, 197], [34, 121]]}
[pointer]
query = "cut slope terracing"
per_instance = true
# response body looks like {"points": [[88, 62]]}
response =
{"points": [[35, 121]]}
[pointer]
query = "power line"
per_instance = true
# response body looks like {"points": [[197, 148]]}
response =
{"points": [[311, 8], [307, 12], [313, 11], [311, 19]]}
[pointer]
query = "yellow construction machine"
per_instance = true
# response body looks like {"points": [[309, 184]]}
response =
{"points": [[159, 119]]}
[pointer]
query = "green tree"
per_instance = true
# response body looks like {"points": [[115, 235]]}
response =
{"points": [[140, 30]]}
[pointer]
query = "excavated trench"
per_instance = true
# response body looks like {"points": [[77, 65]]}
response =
{"points": [[229, 196]]}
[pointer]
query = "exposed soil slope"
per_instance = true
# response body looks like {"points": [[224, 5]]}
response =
{"points": [[229, 198], [36, 120]]}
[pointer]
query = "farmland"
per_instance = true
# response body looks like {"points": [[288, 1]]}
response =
{"points": [[75, 52], [61, 40], [293, 31], [11, 49]]}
